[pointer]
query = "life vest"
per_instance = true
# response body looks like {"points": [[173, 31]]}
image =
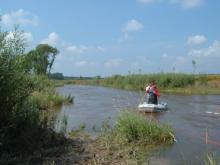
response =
{"points": [[152, 90]]}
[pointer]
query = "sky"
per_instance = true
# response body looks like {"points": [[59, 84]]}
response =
{"points": [[107, 37]]}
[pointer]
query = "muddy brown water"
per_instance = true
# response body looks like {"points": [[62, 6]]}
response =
{"points": [[192, 118]]}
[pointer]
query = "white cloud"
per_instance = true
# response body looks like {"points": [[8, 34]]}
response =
{"points": [[28, 37], [125, 37], [100, 48], [191, 3], [84, 63], [81, 63], [135, 64], [133, 25], [20, 17], [76, 49], [146, 1], [164, 55], [196, 40], [183, 3], [9, 36], [212, 51], [113, 63], [195, 53], [52, 39]]}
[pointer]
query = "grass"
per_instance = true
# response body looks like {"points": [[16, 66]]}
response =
{"points": [[46, 100], [210, 159], [132, 127], [133, 138], [174, 83]]}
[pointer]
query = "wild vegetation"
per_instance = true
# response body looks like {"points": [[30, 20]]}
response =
{"points": [[167, 82], [132, 140], [23, 131]]}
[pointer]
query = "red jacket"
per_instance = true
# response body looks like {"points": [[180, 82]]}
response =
{"points": [[154, 88]]}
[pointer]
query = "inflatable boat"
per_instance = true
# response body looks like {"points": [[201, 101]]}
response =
{"points": [[145, 107]]}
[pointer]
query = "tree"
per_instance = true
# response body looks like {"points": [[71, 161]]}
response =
{"points": [[56, 76], [42, 59], [194, 66], [15, 85]]}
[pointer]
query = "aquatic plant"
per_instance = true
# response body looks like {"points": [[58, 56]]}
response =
{"points": [[210, 159], [133, 127]]}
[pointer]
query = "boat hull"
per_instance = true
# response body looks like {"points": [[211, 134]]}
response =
{"points": [[145, 107]]}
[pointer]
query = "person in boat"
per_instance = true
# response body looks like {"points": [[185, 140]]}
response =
{"points": [[153, 93]]}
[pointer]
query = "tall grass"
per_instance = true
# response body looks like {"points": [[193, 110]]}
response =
{"points": [[133, 128], [44, 95], [138, 82], [133, 138], [210, 159], [167, 82]]}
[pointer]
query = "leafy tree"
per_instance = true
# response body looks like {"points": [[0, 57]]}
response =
{"points": [[15, 85], [41, 59]]}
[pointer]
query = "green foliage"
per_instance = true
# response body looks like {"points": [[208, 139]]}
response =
{"points": [[48, 98], [22, 131], [138, 82], [210, 159], [19, 119], [15, 85], [41, 59], [202, 79], [134, 137], [56, 76], [132, 127]]}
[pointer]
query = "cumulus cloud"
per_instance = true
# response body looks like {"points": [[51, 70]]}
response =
{"points": [[113, 63], [196, 40], [28, 37], [20, 17], [133, 25], [52, 39], [212, 51], [183, 3]]}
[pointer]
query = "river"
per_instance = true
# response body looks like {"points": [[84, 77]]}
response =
{"points": [[192, 117]]}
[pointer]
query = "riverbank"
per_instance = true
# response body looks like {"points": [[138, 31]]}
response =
{"points": [[167, 82]]}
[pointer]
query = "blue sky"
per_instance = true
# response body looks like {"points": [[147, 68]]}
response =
{"points": [[100, 37]]}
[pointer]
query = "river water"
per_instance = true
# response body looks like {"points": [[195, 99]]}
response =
{"points": [[193, 118]]}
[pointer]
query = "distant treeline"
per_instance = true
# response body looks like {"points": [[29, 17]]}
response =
{"points": [[60, 76]]}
